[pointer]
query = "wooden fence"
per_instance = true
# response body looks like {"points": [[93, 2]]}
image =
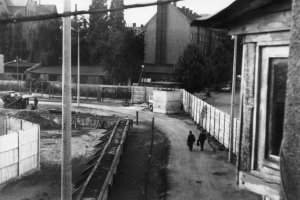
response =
{"points": [[214, 121], [19, 148]]}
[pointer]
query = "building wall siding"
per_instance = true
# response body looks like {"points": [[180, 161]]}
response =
{"points": [[249, 54]]}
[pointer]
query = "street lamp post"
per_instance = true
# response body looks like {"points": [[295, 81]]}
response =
{"points": [[78, 69], [18, 73], [78, 64]]}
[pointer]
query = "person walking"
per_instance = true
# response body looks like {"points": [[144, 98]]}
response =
{"points": [[191, 140], [201, 139], [35, 102]]}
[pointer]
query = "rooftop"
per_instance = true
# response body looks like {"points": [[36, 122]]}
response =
{"points": [[239, 11], [84, 70]]}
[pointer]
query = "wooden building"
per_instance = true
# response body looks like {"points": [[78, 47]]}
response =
{"points": [[264, 27], [88, 75]]}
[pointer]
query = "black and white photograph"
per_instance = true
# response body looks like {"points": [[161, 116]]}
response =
{"points": [[149, 99]]}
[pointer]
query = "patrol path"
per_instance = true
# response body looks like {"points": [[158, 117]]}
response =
{"points": [[191, 175]]}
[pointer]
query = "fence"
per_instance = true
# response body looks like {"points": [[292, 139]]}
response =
{"points": [[214, 121], [137, 94], [19, 148]]}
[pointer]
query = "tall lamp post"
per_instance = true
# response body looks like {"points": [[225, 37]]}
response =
{"points": [[78, 64], [18, 73], [16, 61]]}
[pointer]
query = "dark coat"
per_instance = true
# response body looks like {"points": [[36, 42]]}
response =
{"points": [[202, 137], [191, 139]]}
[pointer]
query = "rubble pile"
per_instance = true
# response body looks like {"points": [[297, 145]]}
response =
{"points": [[36, 117]]}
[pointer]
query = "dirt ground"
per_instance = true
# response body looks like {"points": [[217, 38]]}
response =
{"points": [[45, 184], [130, 180]]}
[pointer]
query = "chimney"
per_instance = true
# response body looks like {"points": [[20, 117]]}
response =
{"points": [[76, 7], [1, 64], [161, 31], [134, 25]]}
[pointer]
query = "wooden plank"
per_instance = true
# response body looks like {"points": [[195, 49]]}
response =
{"points": [[8, 142], [208, 118], [28, 136], [200, 113], [15, 124], [9, 158], [266, 23], [28, 150], [28, 164], [212, 121], [8, 173]]}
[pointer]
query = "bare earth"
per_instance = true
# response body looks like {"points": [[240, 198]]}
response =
{"points": [[190, 175]]}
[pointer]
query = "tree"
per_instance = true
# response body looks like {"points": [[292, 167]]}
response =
{"points": [[98, 32], [44, 42], [3, 35], [116, 19], [125, 55], [221, 61], [193, 69]]}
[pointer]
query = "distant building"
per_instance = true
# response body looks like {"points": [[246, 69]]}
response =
{"points": [[25, 8], [88, 75], [14, 69], [166, 36]]}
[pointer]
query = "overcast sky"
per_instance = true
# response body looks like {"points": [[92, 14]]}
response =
{"points": [[143, 15]]}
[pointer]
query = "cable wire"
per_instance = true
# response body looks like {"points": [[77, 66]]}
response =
{"points": [[83, 12]]}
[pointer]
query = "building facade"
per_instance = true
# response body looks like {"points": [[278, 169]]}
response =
{"points": [[269, 132], [166, 36], [16, 69]]}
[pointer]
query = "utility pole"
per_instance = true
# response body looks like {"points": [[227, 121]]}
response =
{"points": [[66, 167], [78, 68], [78, 59], [18, 73], [231, 133]]}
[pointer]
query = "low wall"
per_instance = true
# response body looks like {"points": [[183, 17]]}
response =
{"points": [[19, 148], [213, 120], [166, 102]]}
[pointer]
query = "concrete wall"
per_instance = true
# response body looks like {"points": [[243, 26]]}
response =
{"points": [[19, 149], [1, 64], [166, 102]]}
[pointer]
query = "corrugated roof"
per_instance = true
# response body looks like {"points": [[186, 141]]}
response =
{"points": [[235, 13], [20, 64], [84, 70]]}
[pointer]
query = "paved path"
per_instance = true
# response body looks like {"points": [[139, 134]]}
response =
{"points": [[191, 175]]}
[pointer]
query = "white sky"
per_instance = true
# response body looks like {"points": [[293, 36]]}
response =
{"points": [[143, 15]]}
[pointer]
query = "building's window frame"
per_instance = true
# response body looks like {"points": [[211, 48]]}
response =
{"points": [[272, 163]]}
